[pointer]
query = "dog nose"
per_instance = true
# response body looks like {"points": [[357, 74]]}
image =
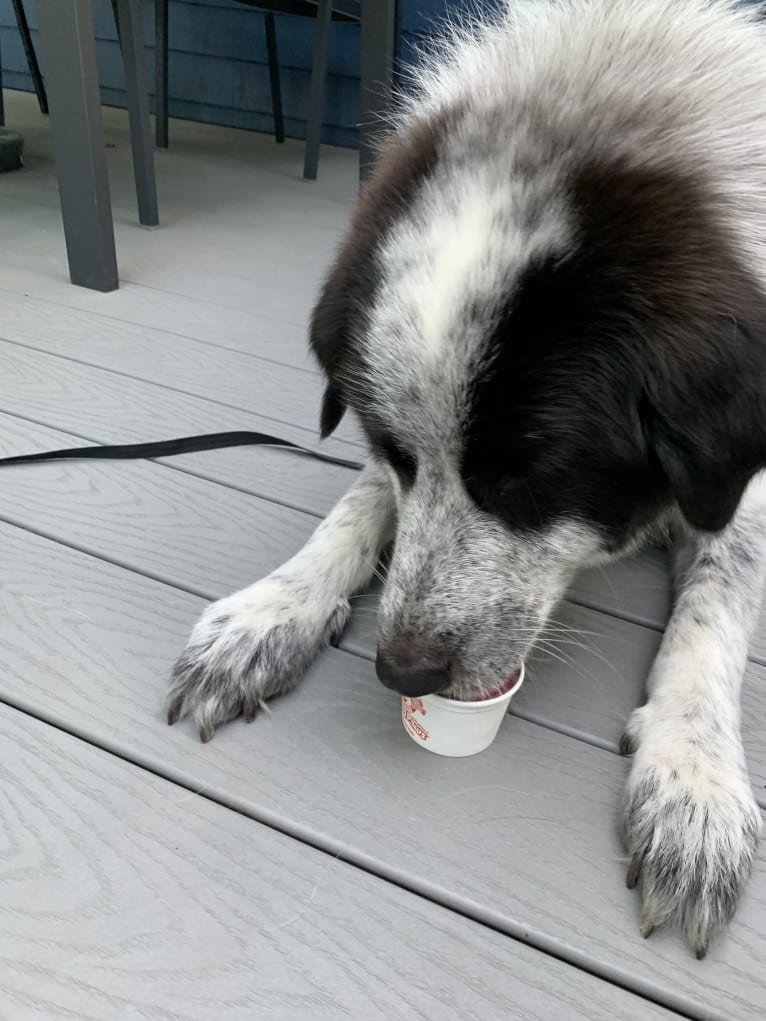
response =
{"points": [[409, 681]]}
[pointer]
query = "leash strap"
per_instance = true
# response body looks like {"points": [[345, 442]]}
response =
{"points": [[169, 448]]}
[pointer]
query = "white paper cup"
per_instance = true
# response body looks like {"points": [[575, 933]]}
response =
{"points": [[448, 727]]}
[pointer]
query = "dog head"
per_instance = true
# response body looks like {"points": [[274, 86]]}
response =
{"points": [[551, 362]]}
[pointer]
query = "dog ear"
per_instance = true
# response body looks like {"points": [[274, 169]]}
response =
{"points": [[333, 410], [704, 420], [329, 343]]}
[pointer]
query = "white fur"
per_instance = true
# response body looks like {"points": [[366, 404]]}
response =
{"points": [[689, 808], [258, 642], [607, 73]]}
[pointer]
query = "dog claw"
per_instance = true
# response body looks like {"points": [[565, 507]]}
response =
{"points": [[634, 869], [249, 709], [337, 623], [700, 951], [206, 733], [647, 928], [174, 711], [627, 745]]}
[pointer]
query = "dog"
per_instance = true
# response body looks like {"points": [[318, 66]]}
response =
{"points": [[549, 316]]}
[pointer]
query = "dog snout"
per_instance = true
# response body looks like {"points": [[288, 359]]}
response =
{"points": [[410, 678]]}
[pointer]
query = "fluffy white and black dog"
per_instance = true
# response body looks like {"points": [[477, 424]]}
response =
{"points": [[549, 315]]}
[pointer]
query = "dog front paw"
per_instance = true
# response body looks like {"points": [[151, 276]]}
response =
{"points": [[249, 647], [691, 828]]}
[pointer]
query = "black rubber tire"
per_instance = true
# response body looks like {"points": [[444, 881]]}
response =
{"points": [[11, 148]]}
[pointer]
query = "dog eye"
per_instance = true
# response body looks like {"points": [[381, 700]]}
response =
{"points": [[478, 492], [496, 497], [405, 465]]}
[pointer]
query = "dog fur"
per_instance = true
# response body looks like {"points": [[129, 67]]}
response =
{"points": [[549, 315]]}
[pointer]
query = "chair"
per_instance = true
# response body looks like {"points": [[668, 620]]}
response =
{"points": [[324, 11]]}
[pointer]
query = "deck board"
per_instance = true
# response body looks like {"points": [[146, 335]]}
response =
{"points": [[234, 212], [154, 520], [99, 407], [96, 330], [232, 379], [246, 330], [220, 917]]}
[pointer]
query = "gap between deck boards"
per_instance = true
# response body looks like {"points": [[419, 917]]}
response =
{"points": [[24, 285], [358, 641], [183, 468], [354, 442], [530, 717], [611, 608]]}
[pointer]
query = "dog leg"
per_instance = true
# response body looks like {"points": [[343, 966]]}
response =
{"points": [[258, 642], [691, 822]]}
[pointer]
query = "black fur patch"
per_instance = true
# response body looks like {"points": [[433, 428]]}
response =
{"points": [[333, 409], [628, 374]]}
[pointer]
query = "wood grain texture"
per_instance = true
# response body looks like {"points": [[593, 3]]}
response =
{"points": [[148, 517], [134, 304], [278, 354], [100, 407], [210, 540], [638, 588], [127, 896], [523, 836], [164, 327], [235, 380]]}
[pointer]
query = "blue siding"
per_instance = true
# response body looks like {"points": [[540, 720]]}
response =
{"points": [[218, 69]]}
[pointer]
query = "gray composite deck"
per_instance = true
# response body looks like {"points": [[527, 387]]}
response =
{"points": [[315, 863]]}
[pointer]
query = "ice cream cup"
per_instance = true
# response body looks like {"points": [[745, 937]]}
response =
{"points": [[446, 726]]}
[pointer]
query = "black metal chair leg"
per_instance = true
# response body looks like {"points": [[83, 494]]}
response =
{"points": [[131, 36], [29, 52], [316, 99], [161, 73], [2, 108], [116, 16], [68, 49], [276, 88]]}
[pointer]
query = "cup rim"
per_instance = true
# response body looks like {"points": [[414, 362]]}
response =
{"points": [[486, 703]]}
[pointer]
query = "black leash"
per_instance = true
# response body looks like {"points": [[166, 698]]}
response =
{"points": [[182, 445]]}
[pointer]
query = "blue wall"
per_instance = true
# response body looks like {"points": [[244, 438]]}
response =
{"points": [[218, 69]]}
